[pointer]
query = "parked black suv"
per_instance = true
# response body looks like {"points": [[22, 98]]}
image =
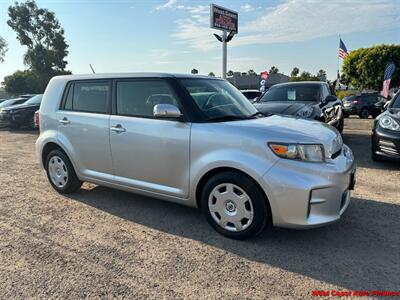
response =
{"points": [[362, 105], [21, 115]]}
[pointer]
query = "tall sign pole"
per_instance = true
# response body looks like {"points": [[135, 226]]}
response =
{"points": [[226, 20], [224, 54]]}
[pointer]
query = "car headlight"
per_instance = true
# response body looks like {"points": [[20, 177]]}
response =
{"points": [[304, 152], [306, 112], [388, 122]]}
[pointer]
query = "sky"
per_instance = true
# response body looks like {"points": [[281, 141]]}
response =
{"points": [[174, 35]]}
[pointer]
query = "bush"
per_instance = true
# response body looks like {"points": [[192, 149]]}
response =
{"points": [[342, 94]]}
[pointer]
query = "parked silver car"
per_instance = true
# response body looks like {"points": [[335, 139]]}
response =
{"points": [[196, 141]]}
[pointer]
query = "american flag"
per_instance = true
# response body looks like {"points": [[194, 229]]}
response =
{"points": [[387, 78], [342, 50]]}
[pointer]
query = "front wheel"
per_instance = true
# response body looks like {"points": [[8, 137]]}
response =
{"points": [[61, 173], [234, 205]]}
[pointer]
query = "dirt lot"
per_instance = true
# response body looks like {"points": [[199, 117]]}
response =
{"points": [[106, 243]]}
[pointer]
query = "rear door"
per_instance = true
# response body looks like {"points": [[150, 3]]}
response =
{"points": [[84, 126], [148, 153]]}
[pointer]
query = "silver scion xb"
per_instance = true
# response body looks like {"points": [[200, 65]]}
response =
{"points": [[197, 141]]}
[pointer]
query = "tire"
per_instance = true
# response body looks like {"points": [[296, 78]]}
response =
{"points": [[61, 173], [364, 113], [345, 115], [254, 214]]}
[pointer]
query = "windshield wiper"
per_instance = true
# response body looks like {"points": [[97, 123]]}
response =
{"points": [[227, 118], [259, 113]]}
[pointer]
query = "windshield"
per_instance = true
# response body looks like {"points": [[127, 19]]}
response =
{"points": [[396, 102], [219, 99], [34, 100], [10, 102], [304, 92]]}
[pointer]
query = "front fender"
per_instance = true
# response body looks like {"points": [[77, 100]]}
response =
{"points": [[248, 163]]}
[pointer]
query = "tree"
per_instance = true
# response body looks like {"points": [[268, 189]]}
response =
{"points": [[3, 49], [321, 74], [229, 73], [211, 74], [295, 72], [365, 67], [273, 70], [194, 71], [305, 76], [28, 81], [39, 30], [251, 72]]}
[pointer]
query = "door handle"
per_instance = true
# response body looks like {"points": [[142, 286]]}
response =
{"points": [[118, 128], [64, 121]]}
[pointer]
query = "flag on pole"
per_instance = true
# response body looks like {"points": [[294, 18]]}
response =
{"points": [[342, 50], [387, 77]]}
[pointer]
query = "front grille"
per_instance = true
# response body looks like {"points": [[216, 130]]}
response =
{"points": [[388, 147]]}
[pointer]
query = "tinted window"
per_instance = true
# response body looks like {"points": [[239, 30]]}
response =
{"points": [[306, 92], [138, 98], [88, 96], [34, 100], [396, 102], [325, 92]]}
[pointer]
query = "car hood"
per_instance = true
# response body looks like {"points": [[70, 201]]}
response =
{"points": [[20, 106], [284, 107], [394, 113], [293, 130]]}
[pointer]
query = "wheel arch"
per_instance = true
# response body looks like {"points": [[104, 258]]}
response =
{"points": [[203, 180]]}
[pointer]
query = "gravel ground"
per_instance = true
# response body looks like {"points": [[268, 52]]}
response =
{"points": [[106, 243]]}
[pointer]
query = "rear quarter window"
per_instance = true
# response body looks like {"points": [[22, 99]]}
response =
{"points": [[90, 96]]}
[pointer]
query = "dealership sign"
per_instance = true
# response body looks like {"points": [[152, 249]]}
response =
{"points": [[223, 19]]}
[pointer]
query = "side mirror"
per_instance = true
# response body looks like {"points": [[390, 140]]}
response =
{"points": [[167, 111], [330, 98]]}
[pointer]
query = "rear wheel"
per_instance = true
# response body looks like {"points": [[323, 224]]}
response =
{"points": [[61, 173], [364, 113], [234, 205]]}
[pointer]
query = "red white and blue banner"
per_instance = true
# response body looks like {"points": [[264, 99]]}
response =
{"points": [[387, 77]]}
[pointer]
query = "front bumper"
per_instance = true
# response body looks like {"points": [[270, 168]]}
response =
{"points": [[306, 195], [11, 119], [386, 143]]}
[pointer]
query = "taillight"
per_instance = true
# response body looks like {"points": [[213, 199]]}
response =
{"points": [[37, 119]]}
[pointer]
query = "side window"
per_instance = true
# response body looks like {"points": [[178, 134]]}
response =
{"points": [[88, 96], [20, 101], [325, 92], [138, 97]]}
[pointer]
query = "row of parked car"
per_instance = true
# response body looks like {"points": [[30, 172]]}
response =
{"points": [[315, 100], [20, 112]]}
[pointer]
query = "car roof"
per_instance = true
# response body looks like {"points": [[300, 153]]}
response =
{"points": [[299, 83], [133, 75]]}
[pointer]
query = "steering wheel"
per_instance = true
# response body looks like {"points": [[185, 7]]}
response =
{"points": [[213, 98]]}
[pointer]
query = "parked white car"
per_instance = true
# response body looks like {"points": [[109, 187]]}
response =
{"points": [[197, 141]]}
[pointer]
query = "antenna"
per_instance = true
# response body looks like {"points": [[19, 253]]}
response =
{"points": [[90, 65]]}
